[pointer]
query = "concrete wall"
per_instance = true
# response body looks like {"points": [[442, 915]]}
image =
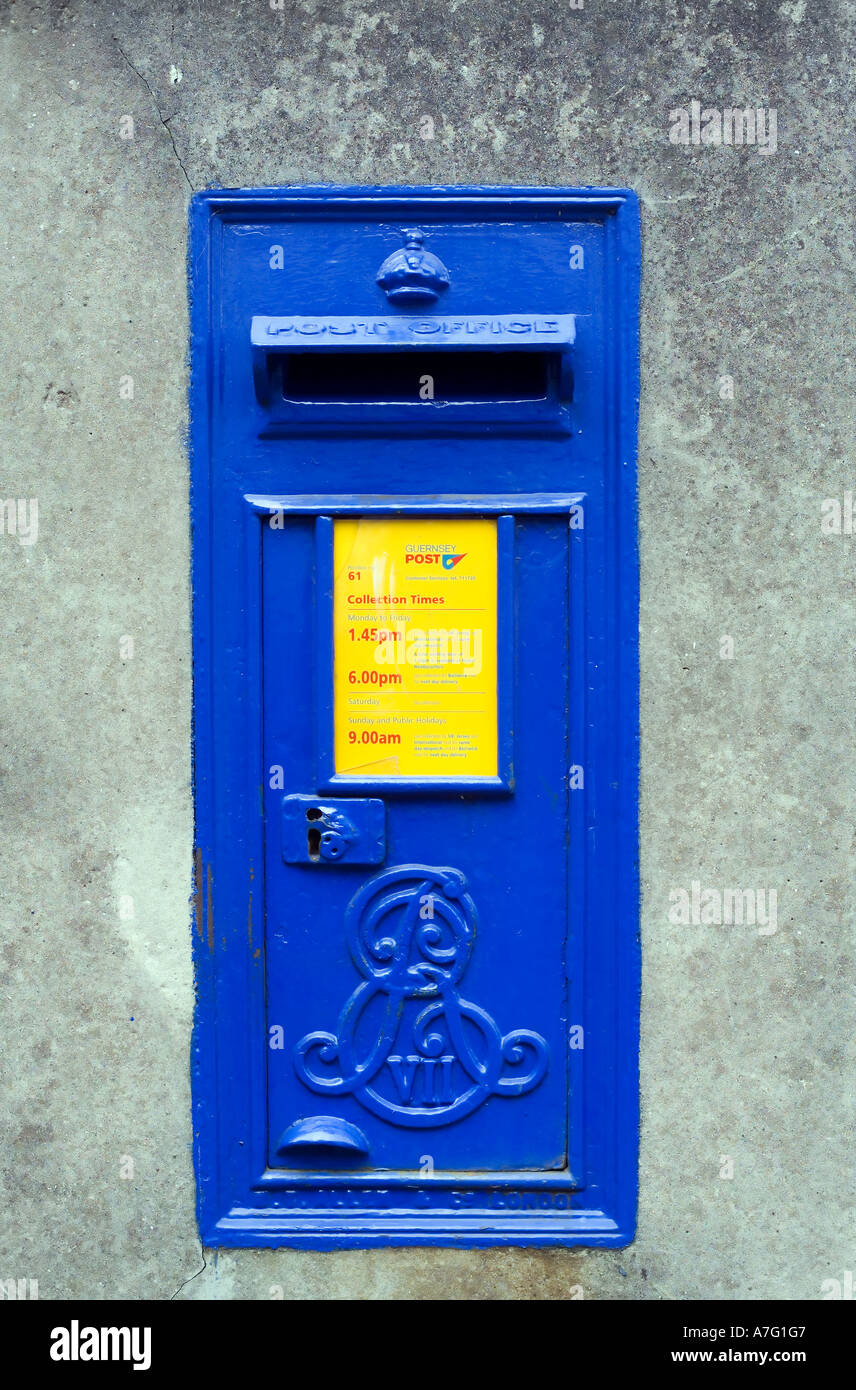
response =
{"points": [[748, 782]]}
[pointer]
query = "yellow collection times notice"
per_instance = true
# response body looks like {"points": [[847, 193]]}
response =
{"points": [[414, 641]]}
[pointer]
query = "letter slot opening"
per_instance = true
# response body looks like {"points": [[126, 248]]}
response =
{"points": [[380, 376], [383, 369]]}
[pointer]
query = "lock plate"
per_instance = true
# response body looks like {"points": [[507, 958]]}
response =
{"points": [[318, 830]]}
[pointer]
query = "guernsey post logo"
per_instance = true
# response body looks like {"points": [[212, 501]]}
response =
{"points": [[440, 555]]}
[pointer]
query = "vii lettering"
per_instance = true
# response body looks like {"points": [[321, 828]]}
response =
{"points": [[435, 1074]]}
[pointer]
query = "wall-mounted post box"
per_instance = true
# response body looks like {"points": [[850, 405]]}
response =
{"points": [[413, 419]]}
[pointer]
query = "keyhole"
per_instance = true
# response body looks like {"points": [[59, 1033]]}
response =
{"points": [[313, 834]]}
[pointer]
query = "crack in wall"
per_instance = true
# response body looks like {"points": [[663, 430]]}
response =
{"points": [[164, 120], [190, 1278]]}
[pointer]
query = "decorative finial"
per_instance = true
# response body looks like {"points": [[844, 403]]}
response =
{"points": [[411, 273]]}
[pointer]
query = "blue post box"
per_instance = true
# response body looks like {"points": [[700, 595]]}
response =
{"points": [[413, 418]]}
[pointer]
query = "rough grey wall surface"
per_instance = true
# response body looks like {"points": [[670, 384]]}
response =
{"points": [[748, 1038]]}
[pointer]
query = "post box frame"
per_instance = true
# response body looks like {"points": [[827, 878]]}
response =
{"points": [[240, 1200]]}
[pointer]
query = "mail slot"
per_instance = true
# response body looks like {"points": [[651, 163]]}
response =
{"points": [[413, 418]]}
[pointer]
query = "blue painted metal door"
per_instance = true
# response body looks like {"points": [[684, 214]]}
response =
{"points": [[424, 1002]]}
